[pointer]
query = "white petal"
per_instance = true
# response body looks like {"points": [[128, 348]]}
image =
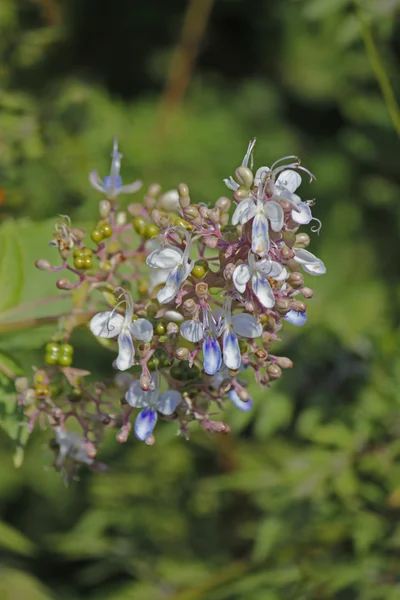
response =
{"points": [[310, 263], [289, 179], [246, 325], [145, 423], [260, 175], [106, 324], [126, 354], [274, 212], [130, 188], [240, 404], [260, 235], [302, 214], [157, 277], [231, 184], [96, 182], [212, 358], [136, 397], [263, 291], [168, 402], [165, 258], [192, 331], [142, 329], [244, 211], [241, 276], [172, 285], [231, 350]]}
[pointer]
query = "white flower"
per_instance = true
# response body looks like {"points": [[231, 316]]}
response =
{"points": [[111, 185], [310, 263], [179, 265], [111, 324], [70, 445], [150, 402], [230, 327], [261, 212], [233, 395], [194, 331], [258, 272]]}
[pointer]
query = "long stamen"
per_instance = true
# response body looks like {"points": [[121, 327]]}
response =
{"points": [[284, 158], [249, 154], [127, 298], [316, 228]]}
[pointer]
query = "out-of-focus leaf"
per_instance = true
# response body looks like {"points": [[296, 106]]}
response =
{"points": [[12, 539], [11, 265], [268, 532], [15, 584]]}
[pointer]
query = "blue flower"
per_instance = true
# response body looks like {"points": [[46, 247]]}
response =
{"points": [[296, 318], [111, 185]]}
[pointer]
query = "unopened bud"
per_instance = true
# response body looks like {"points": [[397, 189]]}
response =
{"points": [[243, 394], [143, 349], [274, 372], [154, 189], [43, 265], [191, 213], [296, 280], [302, 240], [289, 237], [307, 292], [172, 330], [210, 241], [270, 325], [284, 362], [123, 434], [121, 218], [104, 208], [182, 353], [64, 284], [160, 219], [240, 194], [173, 315], [287, 253], [201, 290], [170, 201], [90, 449], [244, 177], [228, 271], [298, 306], [150, 441], [223, 204], [183, 191], [282, 305], [214, 215], [267, 339], [204, 212], [189, 307], [145, 382], [21, 384], [261, 356]]}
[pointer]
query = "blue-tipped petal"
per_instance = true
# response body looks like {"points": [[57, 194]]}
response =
{"points": [[240, 404], [260, 235], [112, 183], [172, 285], [145, 423], [126, 354], [231, 350], [296, 318], [212, 358]]}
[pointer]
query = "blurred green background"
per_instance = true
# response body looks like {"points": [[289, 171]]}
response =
{"points": [[302, 500]]}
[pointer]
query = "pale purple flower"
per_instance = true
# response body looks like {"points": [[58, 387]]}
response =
{"points": [[111, 185]]}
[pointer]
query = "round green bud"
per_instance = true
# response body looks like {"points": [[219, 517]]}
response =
{"points": [[66, 349], [106, 230], [78, 252], [200, 269], [88, 262], [51, 359], [302, 240], [243, 345], [151, 230], [139, 225], [152, 310], [244, 177], [160, 328], [79, 262], [183, 223], [96, 236], [65, 360], [52, 348], [87, 252]]}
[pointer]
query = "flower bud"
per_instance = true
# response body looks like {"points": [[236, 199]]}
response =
{"points": [[289, 237], [182, 353], [21, 384], [274, 371], [154, 189], [284, 362], [287, 253], [270, 325], [298, 306], [282, 305], [306, 292], [223, 204], [121, 218], [296, 280], [173, 315], [189, 307], [228, 271], [183, 191], [64, 284], [123, 434], [201, 290], [261, 356], [214, 215], [204, 212], [151, 309], [244, 177], [149, 202], [302, 240], [267, 339], [243, 394], [43, 265], [191, 213], [170, 201], [210, 241], [240, 194], [172, 330], [104, 208], [160, 219], [150, 441], [145, 382], [90, 449]]}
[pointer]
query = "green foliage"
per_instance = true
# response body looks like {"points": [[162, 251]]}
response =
{"points": [[301, 501]]}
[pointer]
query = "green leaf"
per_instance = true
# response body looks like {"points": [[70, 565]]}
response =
{"points": [[12, 539], [11, 265], [12, 422], [268, 532]]}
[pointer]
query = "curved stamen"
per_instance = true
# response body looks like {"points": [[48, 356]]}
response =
{"points": [[284, 158], [249, 154], [127, 298], [316, 228]]}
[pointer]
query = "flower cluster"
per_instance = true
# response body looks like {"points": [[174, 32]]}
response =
{"points": [[196, 296]]}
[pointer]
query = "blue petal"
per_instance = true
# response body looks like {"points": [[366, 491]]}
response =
{"points": [[112, 183], [212, 355], [296, 318], [234, 397], [145, 423], [231, 350]]}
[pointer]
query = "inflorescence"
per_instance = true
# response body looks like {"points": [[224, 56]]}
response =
{"points": [[187, 298]]}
